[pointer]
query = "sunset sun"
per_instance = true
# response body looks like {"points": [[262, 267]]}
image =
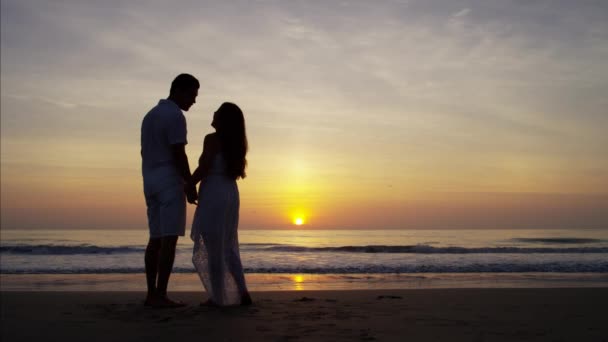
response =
{"points": [[298, 221]]}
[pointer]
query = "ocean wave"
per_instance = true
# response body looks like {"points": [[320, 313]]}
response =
{"points": [[568, 240], [426, 249], [69, 249], [261, 247], [550, 267]]}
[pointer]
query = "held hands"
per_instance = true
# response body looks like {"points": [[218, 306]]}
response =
{"points": [[191, 195]]}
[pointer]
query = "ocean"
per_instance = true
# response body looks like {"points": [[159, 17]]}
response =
{"points": [[278, 259]]}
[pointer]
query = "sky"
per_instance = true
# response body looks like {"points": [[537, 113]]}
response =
{"points": [[388, 114]]}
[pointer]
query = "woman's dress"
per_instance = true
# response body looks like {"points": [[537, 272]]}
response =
{"points": [[216, 255]]}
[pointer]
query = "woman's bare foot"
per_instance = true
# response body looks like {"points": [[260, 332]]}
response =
{"points": [[209, 302], [246, 299]]}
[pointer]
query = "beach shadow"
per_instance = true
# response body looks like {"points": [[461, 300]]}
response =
{"points": [[274, 320], [138, 313]]}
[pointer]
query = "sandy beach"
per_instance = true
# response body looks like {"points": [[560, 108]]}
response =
{"points": [[567, 314]]}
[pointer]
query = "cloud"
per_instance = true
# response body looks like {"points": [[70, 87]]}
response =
{"points": [[53, 102], [508, 88], [462, 13]]}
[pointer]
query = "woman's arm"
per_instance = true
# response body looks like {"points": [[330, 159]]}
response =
{"points": [[210, 149]]}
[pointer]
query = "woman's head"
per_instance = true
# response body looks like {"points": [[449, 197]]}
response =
{"points": [[229, 123], [228, 116]]}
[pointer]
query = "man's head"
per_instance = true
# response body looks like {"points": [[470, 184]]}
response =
{"points": [[184, 90]]}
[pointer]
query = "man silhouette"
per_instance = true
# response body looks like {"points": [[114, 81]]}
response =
{"points": [[166, 175]]}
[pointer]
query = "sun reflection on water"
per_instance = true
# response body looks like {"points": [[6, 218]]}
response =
{"points": [[298, 282]]}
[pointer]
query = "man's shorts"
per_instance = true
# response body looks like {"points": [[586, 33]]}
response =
{"points": [[167, 212]]}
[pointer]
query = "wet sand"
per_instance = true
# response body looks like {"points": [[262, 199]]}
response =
{"points": [[522, 314]]}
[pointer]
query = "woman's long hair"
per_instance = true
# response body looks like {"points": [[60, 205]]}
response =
{"points": [[233, 139]]}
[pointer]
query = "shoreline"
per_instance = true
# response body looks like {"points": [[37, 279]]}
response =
{"points": [[189, 282], [508, 314]]}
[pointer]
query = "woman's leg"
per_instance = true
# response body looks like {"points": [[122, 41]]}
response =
{"points": [[213, 244]]}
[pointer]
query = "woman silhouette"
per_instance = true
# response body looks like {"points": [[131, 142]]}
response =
{"points": [[216, 254]]}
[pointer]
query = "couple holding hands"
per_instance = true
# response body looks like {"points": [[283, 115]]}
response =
{"points": [[168, 184]]}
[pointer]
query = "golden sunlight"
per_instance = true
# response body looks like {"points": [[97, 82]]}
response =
{"points": [[298, 216], [298, 282]]}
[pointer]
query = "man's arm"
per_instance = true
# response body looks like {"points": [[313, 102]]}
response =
{"points": [[183, 167]]}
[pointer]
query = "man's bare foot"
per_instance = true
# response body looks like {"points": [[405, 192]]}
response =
{"points": [[163, 303], [246, 299], [149, 299]]}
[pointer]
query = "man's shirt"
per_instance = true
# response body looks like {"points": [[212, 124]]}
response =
{"points": [[163, 126]]}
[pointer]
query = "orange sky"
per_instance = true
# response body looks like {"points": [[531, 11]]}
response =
{"points": [[438, 116]]}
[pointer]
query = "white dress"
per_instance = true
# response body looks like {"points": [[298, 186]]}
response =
{"points": [[216, 255]]}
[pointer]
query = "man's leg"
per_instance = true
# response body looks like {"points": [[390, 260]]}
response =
{"points": [[172, 221], [151, 261], [153, 248], [165, 263]]}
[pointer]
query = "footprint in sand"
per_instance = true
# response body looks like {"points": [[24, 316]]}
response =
{"points": [[364, 335], [304, 299], [389, 297]]}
